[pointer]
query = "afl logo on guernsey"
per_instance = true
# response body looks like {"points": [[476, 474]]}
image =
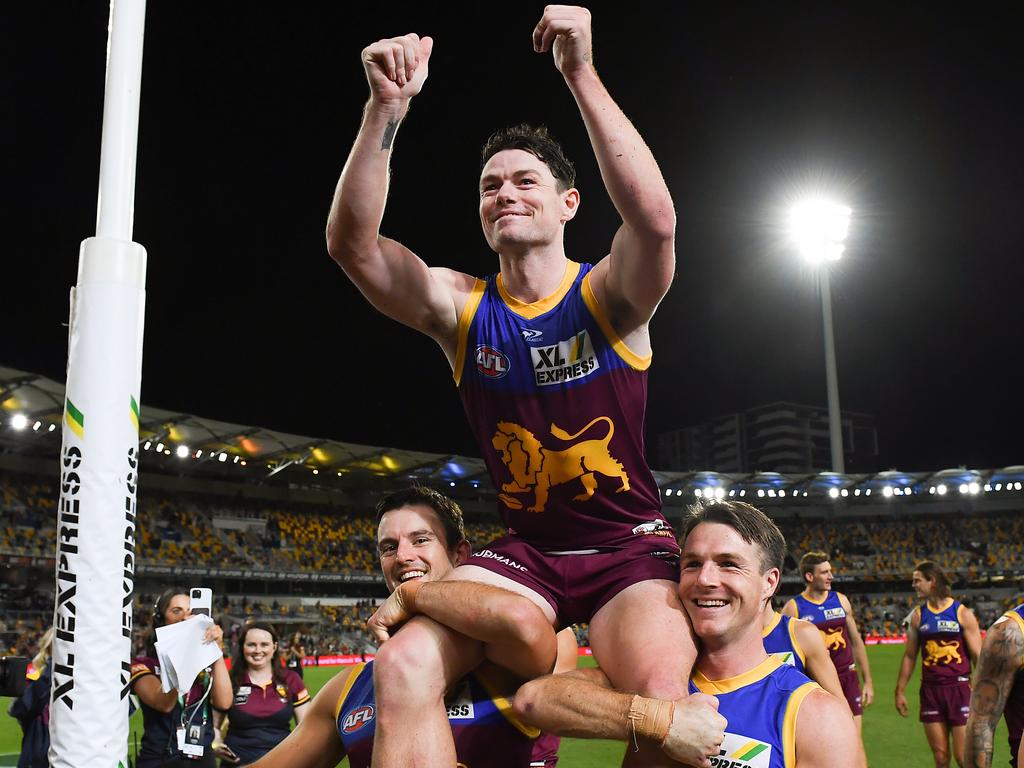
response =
{"points": [[491, 361], [357, 718]]}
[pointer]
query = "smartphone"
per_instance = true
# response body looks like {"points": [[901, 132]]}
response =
{"points": [[201, 599]]}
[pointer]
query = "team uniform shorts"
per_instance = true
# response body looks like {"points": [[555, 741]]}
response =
{"points": [[577, 584], [949, 703], [851, 690]]}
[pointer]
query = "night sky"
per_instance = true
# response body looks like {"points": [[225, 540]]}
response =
{"points": [[910, 112]]}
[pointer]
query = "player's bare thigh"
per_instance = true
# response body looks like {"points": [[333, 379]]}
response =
{"points": [[643, 640], [484, 576]]}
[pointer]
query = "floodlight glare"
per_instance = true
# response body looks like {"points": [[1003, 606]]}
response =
{"points": [[819, 227], [941, 489], [698, 492], [52, 427], [36, 426], [973, 489], [719, 493], [159, 447], [844, 493], [19, 421], [760, 493], [182, 451], [833, 492], [222, 457], [887, 491], [963, 488]]}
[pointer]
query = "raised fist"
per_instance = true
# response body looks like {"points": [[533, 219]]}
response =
{"points": [[396, 67], [565, 30]]}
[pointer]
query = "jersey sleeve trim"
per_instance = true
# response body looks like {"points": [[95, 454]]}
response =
{"points": [[353, 675], [465, 320], [789, 721], [503, 705], [597, 312], [796, 642]]}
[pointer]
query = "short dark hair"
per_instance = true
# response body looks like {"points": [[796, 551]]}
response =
{"points": [[933, 572], [753, 526], [810, 560], [538, 142], [446, 509]]}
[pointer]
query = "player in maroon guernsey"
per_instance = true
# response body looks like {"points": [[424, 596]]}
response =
{"points": [[550, 357], [998, 692], [949, 639]]}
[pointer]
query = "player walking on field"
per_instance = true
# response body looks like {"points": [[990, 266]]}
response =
{"points": [[832, 614], [550, 358], [947, 634]]}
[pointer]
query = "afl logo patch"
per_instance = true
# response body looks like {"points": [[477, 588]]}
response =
{"points": [[357, 718], [491, 361]]}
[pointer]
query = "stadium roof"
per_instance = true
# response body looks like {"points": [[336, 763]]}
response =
{"points": [[183, 443]]}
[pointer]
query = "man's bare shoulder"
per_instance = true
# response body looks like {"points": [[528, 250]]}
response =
{"points": [[825, 733]]}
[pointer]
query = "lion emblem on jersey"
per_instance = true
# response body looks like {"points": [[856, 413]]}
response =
{"points": [[941, 652], [833, 638], [537, 469]]}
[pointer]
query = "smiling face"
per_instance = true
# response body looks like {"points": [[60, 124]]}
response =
{"points": [[258, 648], [721, 584], [520, 203], [411, 545]]}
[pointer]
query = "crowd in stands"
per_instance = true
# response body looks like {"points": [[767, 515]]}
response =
{"points": [[191, 530]]}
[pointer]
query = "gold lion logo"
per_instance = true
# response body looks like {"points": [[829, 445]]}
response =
{"points": [[941, 652], [833, 638], [536, 468]]}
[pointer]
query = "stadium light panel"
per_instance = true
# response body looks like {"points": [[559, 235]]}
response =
{"points": [[223, 457], [760, 493], [451, 483], [818, 227], [963, 488], [242, 462], [987, 487], [771, 493], [668, 491], [146, 447], [844, 493], [52, 427], [36, 426], [867, 492], [1016, 486], [698, 492], [237, 459], [833, 493], [732, 492], [887, 491], [19, 421], [316, 471], [999, 486], [941, 489], [182, 451], [199, 453], [856, 491], [973, 489], [782, 493], [719, 493]]}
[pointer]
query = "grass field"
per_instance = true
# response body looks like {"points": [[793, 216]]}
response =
{"points": [[892, 742]]}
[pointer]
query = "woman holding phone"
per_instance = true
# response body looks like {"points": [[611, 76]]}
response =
{"points": [[178, 725], [267, 696]]}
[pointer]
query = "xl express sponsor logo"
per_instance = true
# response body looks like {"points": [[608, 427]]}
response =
{"points": [[567, 360], [740, 751]]}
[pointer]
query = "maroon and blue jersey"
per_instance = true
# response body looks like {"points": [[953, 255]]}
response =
{"points": [[944, 658], [159, 734], [1014, 709], [486, 732], [761, 707], [556, 401], [779, 639], [829, 617], [261, 715]]}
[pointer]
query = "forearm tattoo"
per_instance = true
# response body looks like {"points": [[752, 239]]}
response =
{"points": [[1000, 660], [389, 134]]}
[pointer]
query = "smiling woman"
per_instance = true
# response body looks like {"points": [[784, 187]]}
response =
{"points": [[267, 696]]}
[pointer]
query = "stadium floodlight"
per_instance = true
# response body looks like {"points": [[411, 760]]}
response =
{"points": [[237, 458], [37, 425], [844, 493], [52, 427], [760, 493], [19, 421], [223, 457], [782, 493], [668, 491], [182, 451], [147, 445], [963, 489], [159, 447], [316, 471], [698, 492], [973, 489], [199, 453], [242, 462], [818, 227], [451, 483], [941, 489], [719, 493], [887, 491], [1016, 486], [771, 493], [833, 493]]}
